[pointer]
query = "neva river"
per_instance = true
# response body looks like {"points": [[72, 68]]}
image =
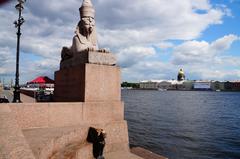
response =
{"points": [[184, 125]]}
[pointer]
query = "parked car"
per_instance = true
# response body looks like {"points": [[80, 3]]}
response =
{"points": [[7, 88], [44, 96], [4, 100]]}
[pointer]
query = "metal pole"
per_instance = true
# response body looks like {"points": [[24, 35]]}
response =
{"points": [[16, 92]]}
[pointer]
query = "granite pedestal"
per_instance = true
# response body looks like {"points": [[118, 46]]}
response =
{"points": [[87, 83]]}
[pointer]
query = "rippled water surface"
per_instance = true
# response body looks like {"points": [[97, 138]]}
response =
{"points": [[184, 125]]}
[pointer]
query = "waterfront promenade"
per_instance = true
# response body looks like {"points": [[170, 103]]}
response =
{"points": [[24, 98], [47, 133], [27, 99]]}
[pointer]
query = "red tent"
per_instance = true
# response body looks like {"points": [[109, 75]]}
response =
{"points": [[42, 80], [3, 1]]}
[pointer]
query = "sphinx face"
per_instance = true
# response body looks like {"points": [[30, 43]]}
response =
{"points": [[88, 24]]}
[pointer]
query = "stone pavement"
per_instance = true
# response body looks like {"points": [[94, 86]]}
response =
{"points": [[12, 141], [146, 154], [27, 99], [122, 155], [24, 98]]}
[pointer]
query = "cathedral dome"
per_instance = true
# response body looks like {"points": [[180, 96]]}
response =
{"points": [[181, 75]]}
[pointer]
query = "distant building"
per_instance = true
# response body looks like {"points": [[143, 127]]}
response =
{"points": [[166, 84], [202, 85], [187, 86], [175, 85], [236, 86], [217, 86], [181, 75], [1, 88], [161, 84], [151, 84], [232, 86]]}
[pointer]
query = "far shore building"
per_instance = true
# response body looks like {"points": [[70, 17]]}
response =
{"points": [[181, 75], [189, 85], [151, 84], [161, 84], [179, 84], [1, 88], [202, 85], [217, 86], [236, 86], [232, 86]]}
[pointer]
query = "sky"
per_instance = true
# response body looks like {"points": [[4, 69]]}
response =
{"points": [[152, 39]]}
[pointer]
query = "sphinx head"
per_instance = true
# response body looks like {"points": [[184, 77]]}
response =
{"points": [[87, 13], [87, 25]]}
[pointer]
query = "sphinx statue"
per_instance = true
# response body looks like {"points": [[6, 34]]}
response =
{"points": [[85, 38], [84, 47]]}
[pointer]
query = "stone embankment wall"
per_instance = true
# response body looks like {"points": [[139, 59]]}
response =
{"points": [[1, 88], [50, 130], [28, 93], [48, 115]]}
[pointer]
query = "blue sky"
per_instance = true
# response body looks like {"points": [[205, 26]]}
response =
{"points": [[152, 39]]}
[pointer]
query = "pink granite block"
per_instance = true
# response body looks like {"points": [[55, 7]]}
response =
{"points": [[65, 114], [100, 112], [102, 83], [88, 83], [12, 141], [31, 115]]}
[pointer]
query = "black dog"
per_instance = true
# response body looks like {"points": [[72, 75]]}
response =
{"points": [[97, 138]]}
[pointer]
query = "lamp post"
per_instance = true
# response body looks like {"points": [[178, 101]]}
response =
{"points": [[18, 23]]}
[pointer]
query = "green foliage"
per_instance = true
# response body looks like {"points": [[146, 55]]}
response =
{"points": [[130, 85]]}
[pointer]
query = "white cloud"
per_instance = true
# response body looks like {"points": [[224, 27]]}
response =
{"points": [[165, 45], [6, 60], [128, 28], [144, 21], [191, 52], [223, 43], [218, 74], [133, 55], [208, 60], [199, 59]]}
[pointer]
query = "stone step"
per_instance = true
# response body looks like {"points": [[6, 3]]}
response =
{"points": [[146, 154], [121, 155], [46, 142], [12, 142]]}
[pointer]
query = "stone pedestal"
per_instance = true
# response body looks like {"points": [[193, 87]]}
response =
{"points": [[89, 76], [91, 57], [87, 83]]}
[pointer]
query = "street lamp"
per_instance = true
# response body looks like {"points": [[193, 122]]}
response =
{"points": [[18, 23]]}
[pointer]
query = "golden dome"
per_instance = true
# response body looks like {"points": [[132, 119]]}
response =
{"points": [[181, 75]]}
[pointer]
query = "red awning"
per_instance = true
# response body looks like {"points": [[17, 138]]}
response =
{"points": [[3, 1], [42, 80]]}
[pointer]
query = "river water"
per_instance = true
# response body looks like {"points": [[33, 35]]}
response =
{"points": [[184, 125]]}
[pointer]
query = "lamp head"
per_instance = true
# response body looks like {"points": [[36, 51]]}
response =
{"points": [[19, 6], [22, 1]]}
